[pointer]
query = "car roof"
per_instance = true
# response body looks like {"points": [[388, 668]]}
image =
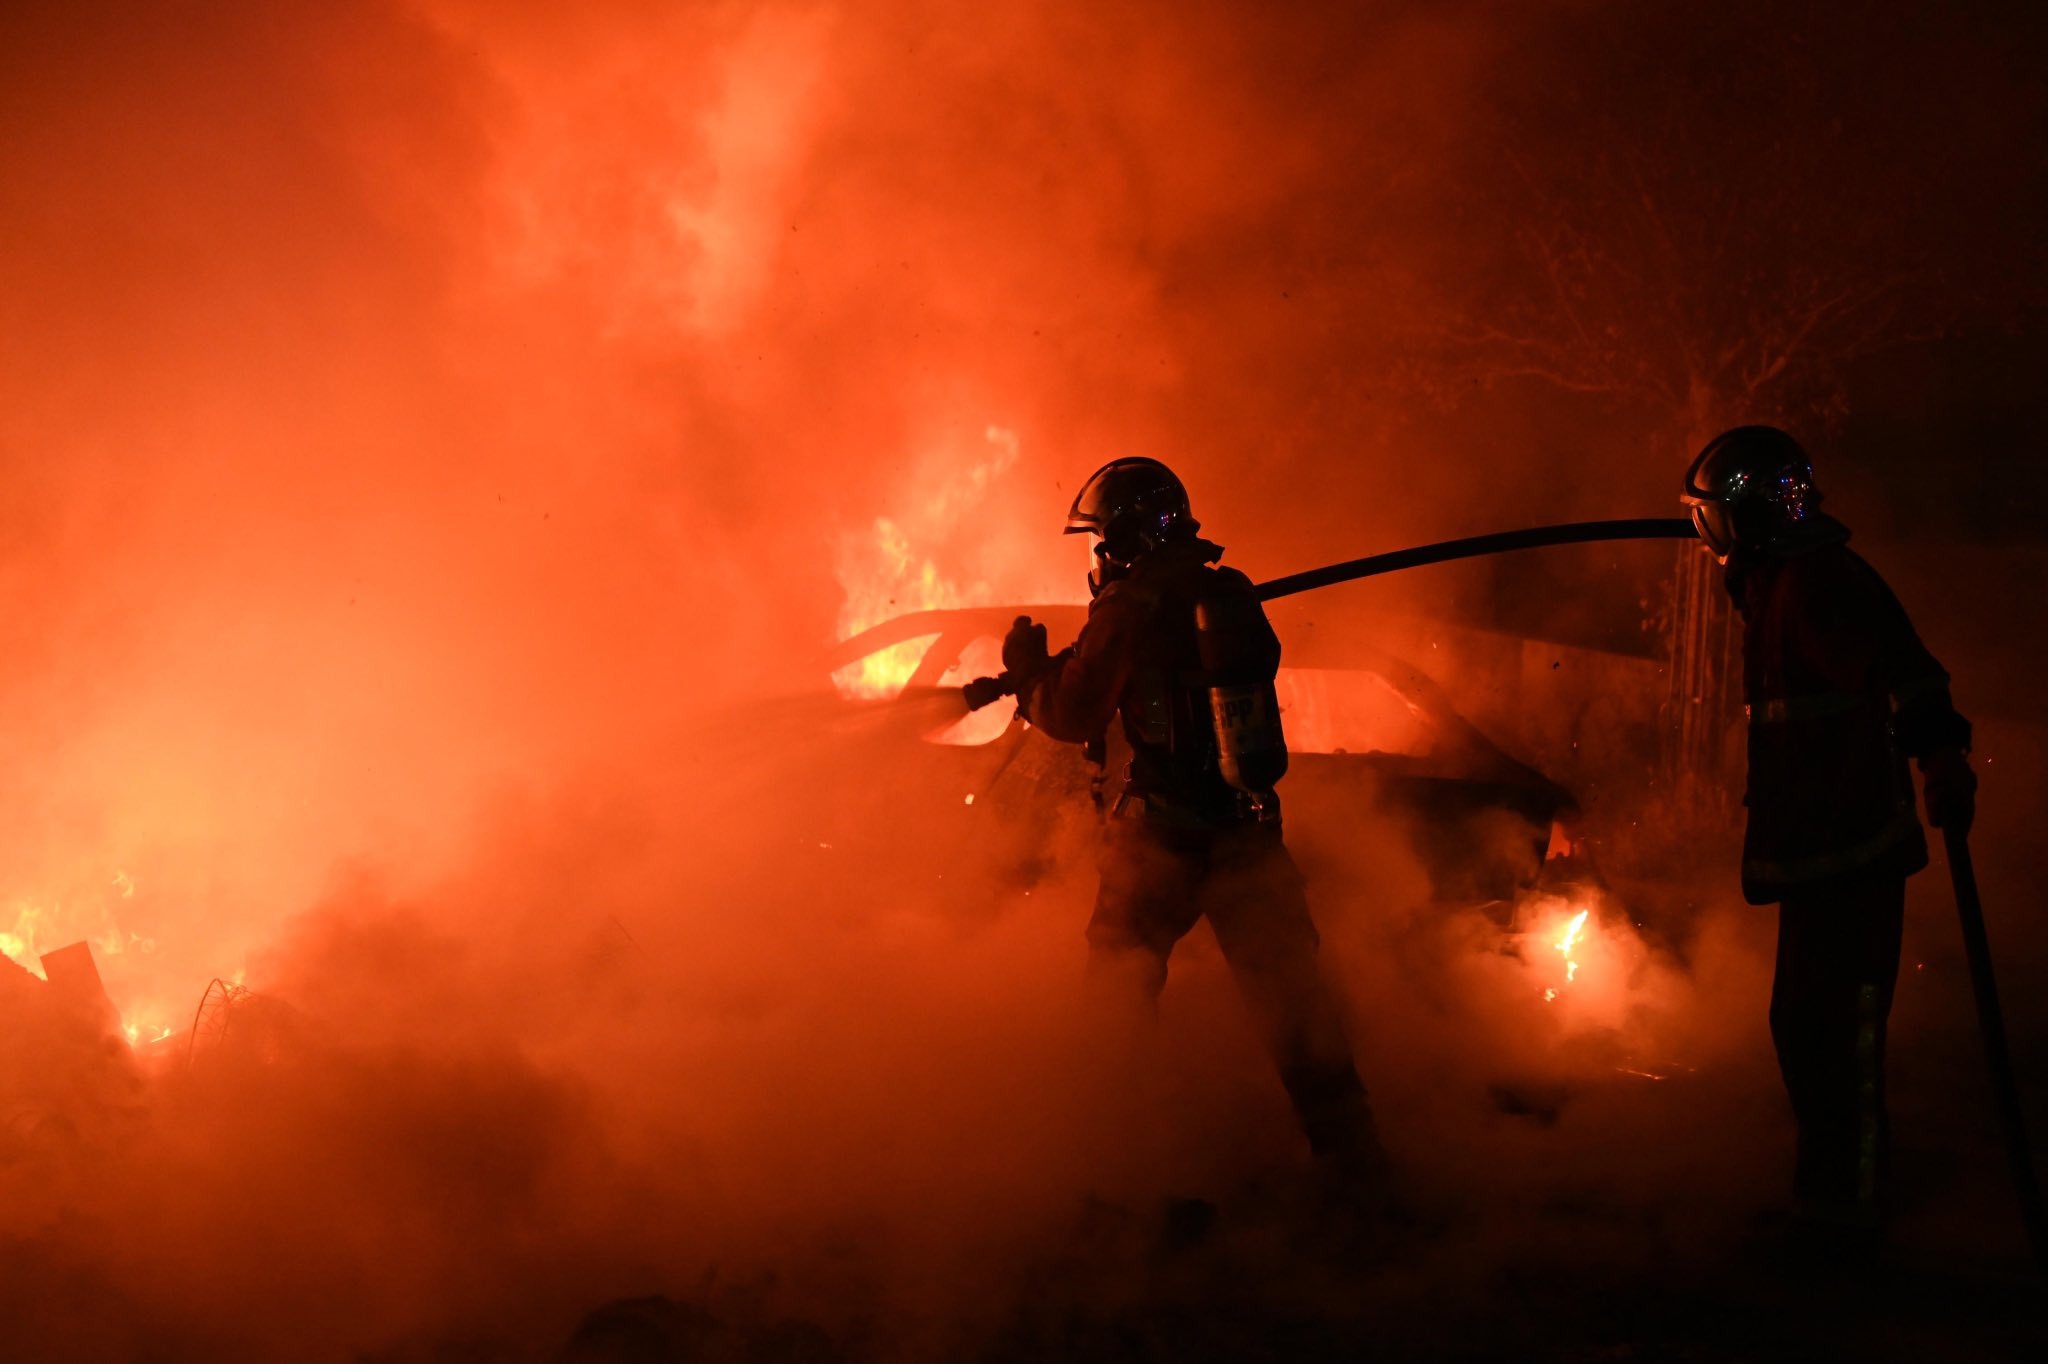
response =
{"points": [[1474, 754]]}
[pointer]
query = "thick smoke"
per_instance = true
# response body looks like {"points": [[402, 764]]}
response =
{"points": [[440, 440]]}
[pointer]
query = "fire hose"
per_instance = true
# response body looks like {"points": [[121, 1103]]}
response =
{"points": [[1991, 1027], [986, 691]]}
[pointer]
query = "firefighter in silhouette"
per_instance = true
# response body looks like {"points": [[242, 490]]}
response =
{"points": [[1841, 693], [1181, 651]]}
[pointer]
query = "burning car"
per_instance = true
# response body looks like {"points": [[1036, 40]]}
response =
{"points": [[1371, 737]]}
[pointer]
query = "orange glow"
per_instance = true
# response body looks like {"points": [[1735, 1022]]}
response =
{"points": [[883, 674], [884, 579], [1568, 941], [1579, 954], [40, 924], [144, 1026], [440, 438], [982, 658], [1566, 928], [1340, 711], [890, 570], [18, 941]]}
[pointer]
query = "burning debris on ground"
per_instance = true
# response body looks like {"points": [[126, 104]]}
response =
{"points": [[504, 503]]}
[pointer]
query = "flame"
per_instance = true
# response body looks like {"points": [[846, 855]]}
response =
{"points": [[1566, 943], [888, 584], [890, 570], [1569, 944], [146, 1034], [19, 941], [40, 924], [38, 928], [1581, 952], [147, 1023]]}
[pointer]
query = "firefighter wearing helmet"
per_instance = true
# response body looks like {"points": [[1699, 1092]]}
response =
{"points": [[1841, 693], [1180, 651]]}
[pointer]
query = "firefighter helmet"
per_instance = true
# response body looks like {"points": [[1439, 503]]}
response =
{"points": [[1135, 506], [1131, 499], [1752, 488]]}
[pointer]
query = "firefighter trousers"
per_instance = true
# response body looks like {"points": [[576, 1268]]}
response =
{"points": [[1838, 963], [1158, 879]]}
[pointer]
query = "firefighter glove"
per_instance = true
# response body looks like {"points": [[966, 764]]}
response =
{"points": [[1951, 789], [1024, 651]]}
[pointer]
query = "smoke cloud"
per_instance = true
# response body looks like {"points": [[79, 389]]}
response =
{"points": [[440, 440]]}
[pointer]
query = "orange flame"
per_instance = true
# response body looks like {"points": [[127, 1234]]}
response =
{"points": [[1568, 945], [1570, 938], [19, 941], [888, 572], [41, 924]]}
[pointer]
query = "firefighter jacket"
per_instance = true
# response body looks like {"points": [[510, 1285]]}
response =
{"points": [[1840, 693], [1138, 658]]}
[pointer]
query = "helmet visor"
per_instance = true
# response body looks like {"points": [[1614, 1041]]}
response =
{"points": [[1716, 525]]}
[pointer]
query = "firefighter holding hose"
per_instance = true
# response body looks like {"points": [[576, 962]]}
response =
{"points": [[1841, 693], [1180, 650]]}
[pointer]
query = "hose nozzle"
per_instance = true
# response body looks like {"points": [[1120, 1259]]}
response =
{"points": [[986, 691]]}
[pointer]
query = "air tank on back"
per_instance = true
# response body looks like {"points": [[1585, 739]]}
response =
{"points": [[1237, 673]]}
